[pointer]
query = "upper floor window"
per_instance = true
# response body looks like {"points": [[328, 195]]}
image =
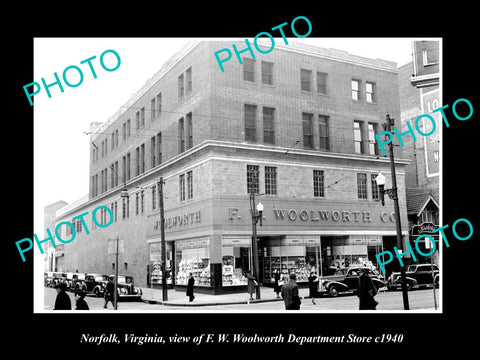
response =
{"points": [[306, 80], [249, 69], [355, 89]]}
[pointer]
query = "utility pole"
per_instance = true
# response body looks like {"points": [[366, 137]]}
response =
{"points": [[164, 247], [394, 197]]}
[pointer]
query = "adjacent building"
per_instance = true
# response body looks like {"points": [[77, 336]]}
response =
{"points": [[295, 126], [420, 94]]}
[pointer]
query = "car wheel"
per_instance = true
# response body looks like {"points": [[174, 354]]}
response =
{"points": [[97, 292], [408, 285], [333, 291]]}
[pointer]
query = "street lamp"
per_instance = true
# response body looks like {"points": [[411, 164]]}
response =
{"points": [[392, 194], [257, 214]]}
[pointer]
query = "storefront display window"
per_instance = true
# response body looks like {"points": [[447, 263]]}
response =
{"points": [[236, 260], [290, 255], [156, 259], [192, 256]]}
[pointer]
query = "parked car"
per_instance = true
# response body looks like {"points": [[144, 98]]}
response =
{"points": [[95, 284], [419, 275], [58, 278], [75, 281], [48, 278], [346, 280], [126, 288]]}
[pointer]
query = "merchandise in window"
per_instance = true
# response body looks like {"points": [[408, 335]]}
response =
{"points": [[192, 256]]}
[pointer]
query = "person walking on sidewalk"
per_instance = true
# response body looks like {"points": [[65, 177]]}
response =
{"points": [[191, 282], [366, 292], [290, 294], [313, 286], [277, 287], [109, 293], [81, 304], [251, 283], [62, 301]]}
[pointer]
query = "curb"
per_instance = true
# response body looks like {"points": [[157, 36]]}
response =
{"points": [[236, 302]]}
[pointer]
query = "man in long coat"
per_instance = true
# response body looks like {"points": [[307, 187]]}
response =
{"points": [[109, 293], [190, 284], [290, 294], [366, 292], [62, 302]]}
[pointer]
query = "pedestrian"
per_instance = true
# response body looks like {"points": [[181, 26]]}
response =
{"points": [[191, 282], [251, 283], [290, 294], [277, 287], [109, 293], [62, 302], [313, 286], [366, 291], [81, 304]]}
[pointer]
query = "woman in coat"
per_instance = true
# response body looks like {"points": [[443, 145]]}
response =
{"points": [[277, 287], [251, 284], [366, 292], [313, 286], [191, 282]]}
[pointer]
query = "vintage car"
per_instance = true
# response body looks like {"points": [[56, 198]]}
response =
{"points": [[58, 278], [346, 280], [126, 288], [95, 284], [419, 275], [48, 278], [75, 281]]}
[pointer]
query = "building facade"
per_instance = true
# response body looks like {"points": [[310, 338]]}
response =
{"points": [[295, 126], [420, 94], [49, 215]]}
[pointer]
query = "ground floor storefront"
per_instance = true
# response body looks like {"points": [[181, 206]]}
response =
{"points": [[301, 254]]}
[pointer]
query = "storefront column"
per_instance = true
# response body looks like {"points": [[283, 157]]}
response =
{"points": [[216, 263]]}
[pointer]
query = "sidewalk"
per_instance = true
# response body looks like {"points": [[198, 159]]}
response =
{"points": [[178, 298]]}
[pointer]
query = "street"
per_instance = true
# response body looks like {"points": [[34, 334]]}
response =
{"points": [[388, 301]]}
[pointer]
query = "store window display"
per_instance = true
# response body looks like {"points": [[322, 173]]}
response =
{"points": [[192, 256], [236, 260], [156, 259]]}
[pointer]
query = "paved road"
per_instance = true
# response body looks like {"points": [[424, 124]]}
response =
{"points": [[391, 300]]}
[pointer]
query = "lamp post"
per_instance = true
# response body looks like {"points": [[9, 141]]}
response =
{"points": [[257, 213], [393, 194], [123, 195]]}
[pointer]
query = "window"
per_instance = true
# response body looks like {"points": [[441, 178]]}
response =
{"points": [[159, 148], [113, 140], [372, 145], [188, 76], [136, 203], [362, 186], [142, 117], [152, 109], [369, 92], [249, 69], [142, 201], [323, 132], [318, 184], [250, 120], [137, 161], [321, 83], [124, 131], [190, 185], [128, 128], [181, 135], [159, 104], [125, 208], [355, 90], [128, 166], [182, 187], [106, 147], [154, 197], [268, 128], [181, 88], [267, 73], [307, 130], [142, 158], [137, 120], [357, 137], [252, 179], [306, 80], [189, 134], [153, 151], [270, 180], [116, 138], [375, 192]]}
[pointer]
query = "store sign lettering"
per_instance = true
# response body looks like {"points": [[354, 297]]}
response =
{"points": [[179, 220], [330, 215]]}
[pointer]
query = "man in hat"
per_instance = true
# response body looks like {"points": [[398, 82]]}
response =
{"points": [[62, 302], [290, 294], [81, 304], [366, 291]]}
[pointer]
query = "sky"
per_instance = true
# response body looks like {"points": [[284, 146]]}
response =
{"points": [[61, 145]]}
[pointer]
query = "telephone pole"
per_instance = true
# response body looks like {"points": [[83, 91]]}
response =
{"points": [[394, 197], [164, 247], [116, 275]]}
